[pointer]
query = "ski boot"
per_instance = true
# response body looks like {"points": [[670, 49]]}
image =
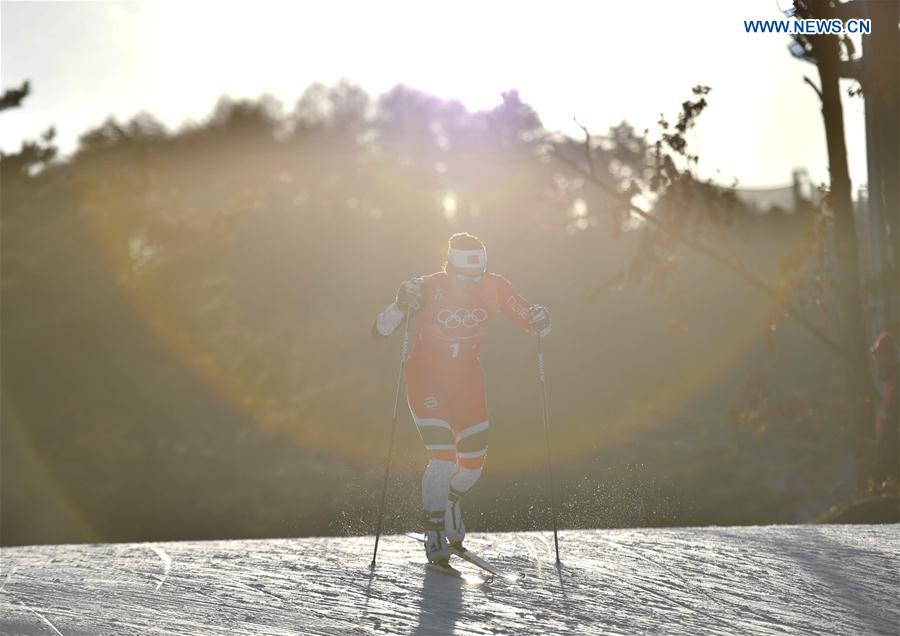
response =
{"points": [[436, 548]]}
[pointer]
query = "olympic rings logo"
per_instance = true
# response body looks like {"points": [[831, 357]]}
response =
{"points": [[461, 317]]}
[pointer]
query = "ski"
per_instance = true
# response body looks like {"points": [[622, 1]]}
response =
{"points": [[474, 559], [449, 570], [471, 557]]}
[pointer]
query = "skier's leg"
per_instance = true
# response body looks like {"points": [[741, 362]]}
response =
{"points": [[471, 447], [471, 450], [437, 436], [430, 413], [438, 439], [435, 491], [471, 437]]}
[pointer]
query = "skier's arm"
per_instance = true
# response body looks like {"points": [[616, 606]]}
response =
{"points": [[410, 296], [387, 321], [512, 303], [532, 318]]}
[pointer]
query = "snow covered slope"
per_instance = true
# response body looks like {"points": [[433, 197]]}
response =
{"points": [[785, 579]]}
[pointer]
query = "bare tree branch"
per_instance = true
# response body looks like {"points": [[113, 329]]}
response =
{"points": [[814, 87], [748, 278], [588, 155]]}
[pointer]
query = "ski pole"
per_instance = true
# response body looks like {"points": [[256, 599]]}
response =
{"points": [[545, 410], [387, 465]]}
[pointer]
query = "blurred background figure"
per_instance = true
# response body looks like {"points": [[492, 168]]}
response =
{"points": [[887, 422]]}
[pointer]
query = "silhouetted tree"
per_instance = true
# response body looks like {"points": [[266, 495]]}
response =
{"points": [[12, 97]]}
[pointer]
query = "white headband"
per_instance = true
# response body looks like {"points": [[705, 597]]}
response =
{"points": [[467, 259]]}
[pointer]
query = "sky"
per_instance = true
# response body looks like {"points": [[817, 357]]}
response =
{"points": [[599, 62]]}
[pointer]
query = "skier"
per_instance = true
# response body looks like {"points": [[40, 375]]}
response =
{"points": [[444, 380]]}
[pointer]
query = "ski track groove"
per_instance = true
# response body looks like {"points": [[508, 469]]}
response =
{"points": [[881, 624], [744, 598], [638, 553], [35, 612], [167, 564], [645, 586], [797, 579], [12, 570]]}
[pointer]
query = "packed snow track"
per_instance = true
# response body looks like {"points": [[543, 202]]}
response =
{"points": [[760, 580]]}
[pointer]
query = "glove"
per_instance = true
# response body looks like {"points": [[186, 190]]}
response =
{"points": [[411, 295], [539, 319]]}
